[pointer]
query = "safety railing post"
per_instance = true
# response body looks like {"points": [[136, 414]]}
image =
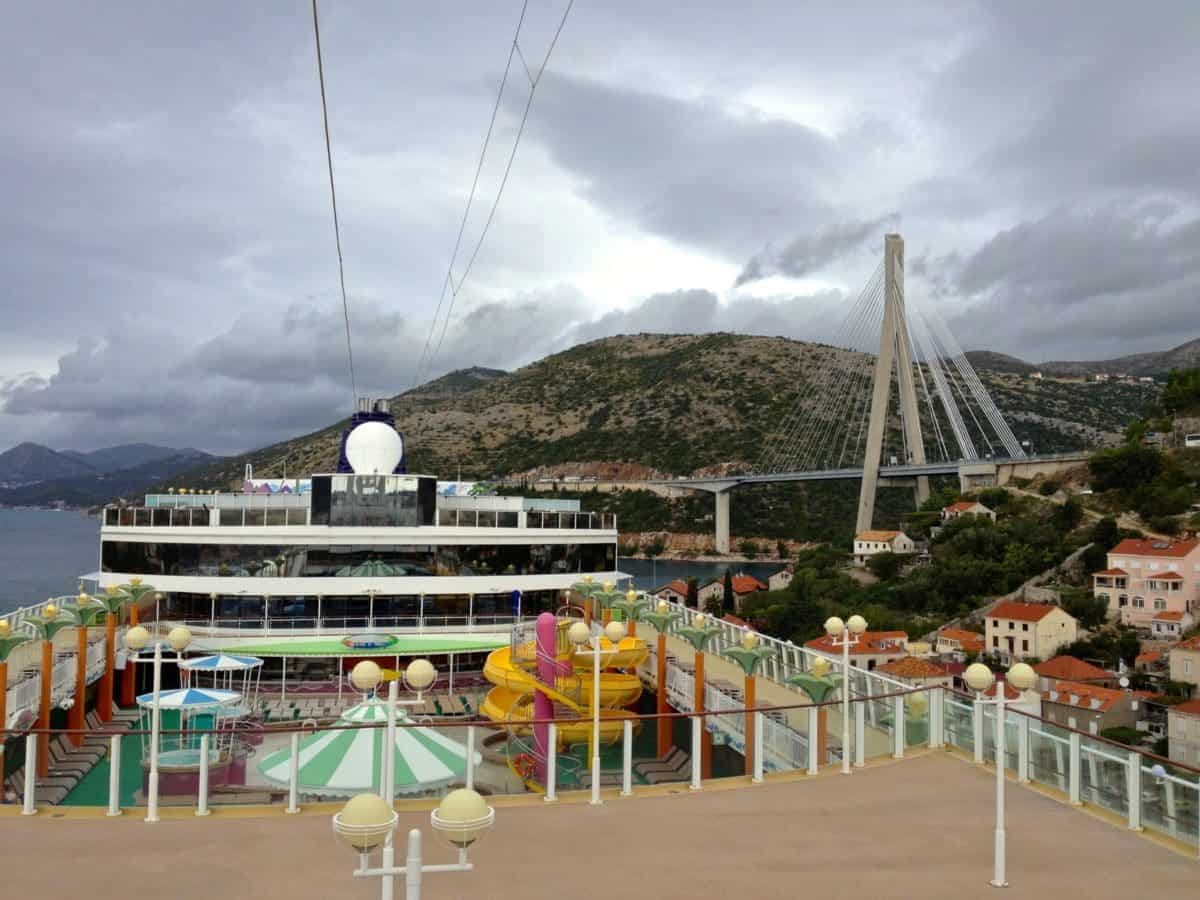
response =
{"points": [[697, 726], [860, 734], [470, 757], [627, 762], [814, 727], [977, 730], [1134, 783], [294, 775], [1073, 769], [1023, 748], [29, 808], [114, 776], [759, 723], [551, 762], [937, 717], [202, 798], [898, 728]]}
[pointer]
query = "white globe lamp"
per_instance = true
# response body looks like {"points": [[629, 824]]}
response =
{"points": [[420, 674], [579, 633], [615, 632], [462, 817]]}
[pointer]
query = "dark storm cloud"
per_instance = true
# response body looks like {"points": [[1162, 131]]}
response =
{"points": [[166, 259], [811, 252]]}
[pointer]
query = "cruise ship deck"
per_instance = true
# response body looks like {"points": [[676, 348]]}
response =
{"points": [[916, 827]]}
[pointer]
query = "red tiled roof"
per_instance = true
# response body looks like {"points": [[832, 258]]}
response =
{"points": [[1087, 696], [1022, 612], [880, 536], [734, 620], [971, 641], [747, 584], [1192, 707], [1165, 576], [963, 506], [1111, 572], [912, 667], [1170, 615], [678, 586], [1148, 658], [868, 642], [1154, 547], [1069, 668]]}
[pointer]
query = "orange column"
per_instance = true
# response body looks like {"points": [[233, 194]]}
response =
{"points": [[607, 616], [664, 725], [698, 706], [587, 610], [43, 760], [751, 684], [128, 681], [75, 718], [822, 732], [104, 698], [632, 627], [133, 614]]}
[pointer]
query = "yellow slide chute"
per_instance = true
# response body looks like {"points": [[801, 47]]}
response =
{"points": [[511, 700]]}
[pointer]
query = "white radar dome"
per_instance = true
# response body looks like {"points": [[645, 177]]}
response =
{"points": [[374, 448]]}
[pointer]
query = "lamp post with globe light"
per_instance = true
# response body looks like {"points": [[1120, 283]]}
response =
{"points": [[367, 821], [979, 678], [662, 619], [845, 635], [419, 675], [136, 639], [579, 634]]}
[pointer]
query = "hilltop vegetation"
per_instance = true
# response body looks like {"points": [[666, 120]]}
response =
{"points": [[672, 404]]}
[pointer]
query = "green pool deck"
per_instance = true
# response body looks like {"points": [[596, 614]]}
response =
{"points": [[92, 789], [405, 645]]}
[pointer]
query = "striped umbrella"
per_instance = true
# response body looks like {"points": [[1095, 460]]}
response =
{"points": [[221, 662], [190, 699], [347, 761]]}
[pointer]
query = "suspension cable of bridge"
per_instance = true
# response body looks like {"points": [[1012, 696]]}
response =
{"points": [[337, 231], [452, 287], [809, 417]]}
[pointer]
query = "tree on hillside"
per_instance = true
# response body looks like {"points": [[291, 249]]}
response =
{"points": [[1182, 393], [693, 592], [727, 598], [1124, 467], [886, 566]]}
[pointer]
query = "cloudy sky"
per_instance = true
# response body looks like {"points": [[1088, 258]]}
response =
{"points": [[167, 265]]}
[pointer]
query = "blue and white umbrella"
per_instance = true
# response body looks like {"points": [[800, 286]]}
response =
{"points": [[190, 699], [221, 662]]}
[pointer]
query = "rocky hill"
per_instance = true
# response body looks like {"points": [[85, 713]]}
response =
{"points": [[1185, 356], [656, 404]]}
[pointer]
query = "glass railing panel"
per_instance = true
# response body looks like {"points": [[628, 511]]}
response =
{"points": [[1170, 801], [1103, 777], [1049, 755], [916, 719], [958, 721]]}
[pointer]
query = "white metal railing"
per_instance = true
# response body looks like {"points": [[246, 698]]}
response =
{"points": [[298, 626]]}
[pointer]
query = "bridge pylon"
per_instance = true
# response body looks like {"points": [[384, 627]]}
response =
{"points": [[894, 354]]}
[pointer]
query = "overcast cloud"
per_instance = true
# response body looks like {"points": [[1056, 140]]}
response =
{"points": [[167, 270]]}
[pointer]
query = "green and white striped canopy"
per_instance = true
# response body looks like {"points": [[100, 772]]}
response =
{"points": [[347, 761]]}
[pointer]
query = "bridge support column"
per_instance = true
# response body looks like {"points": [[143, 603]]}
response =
{"points": [[721, 520]]}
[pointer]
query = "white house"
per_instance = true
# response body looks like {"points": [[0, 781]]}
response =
{"points": [[1018, 631], [870, 543], [966, 508], [1171, 624], [781, 579]]}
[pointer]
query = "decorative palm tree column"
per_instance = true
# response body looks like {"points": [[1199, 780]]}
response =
{"points": [[135, 591], [698, 635], [45, 629], [818, 687], [632, 607], [586, 587], [749, 656], [83, 616], [8, 643], [607, 596], [662, 621], [112, 601]]}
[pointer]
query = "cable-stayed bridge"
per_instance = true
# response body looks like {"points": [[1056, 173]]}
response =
{"points": [[848, 423]]}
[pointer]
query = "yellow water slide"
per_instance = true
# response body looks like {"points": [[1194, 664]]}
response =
{"points": [[511, 700]]}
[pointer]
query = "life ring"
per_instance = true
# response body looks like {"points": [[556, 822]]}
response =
{"points": [[524, 764]]}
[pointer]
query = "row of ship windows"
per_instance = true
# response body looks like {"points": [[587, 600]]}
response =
{"points": [[334, 561], [198, 607]]}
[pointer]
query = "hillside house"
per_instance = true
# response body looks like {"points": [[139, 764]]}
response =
{"points": [[1183, 733], [1018, 631], [743, 586], [958, 642], [918, 672], [874, 648], [1183, 662], [870, 543], [1171, 624], [781, 579], [675, 591], [1090, 708], [966, 508], [1147, 577], [1070, 668]]}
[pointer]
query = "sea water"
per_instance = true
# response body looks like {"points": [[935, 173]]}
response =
{"points": [[43, 553]]}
